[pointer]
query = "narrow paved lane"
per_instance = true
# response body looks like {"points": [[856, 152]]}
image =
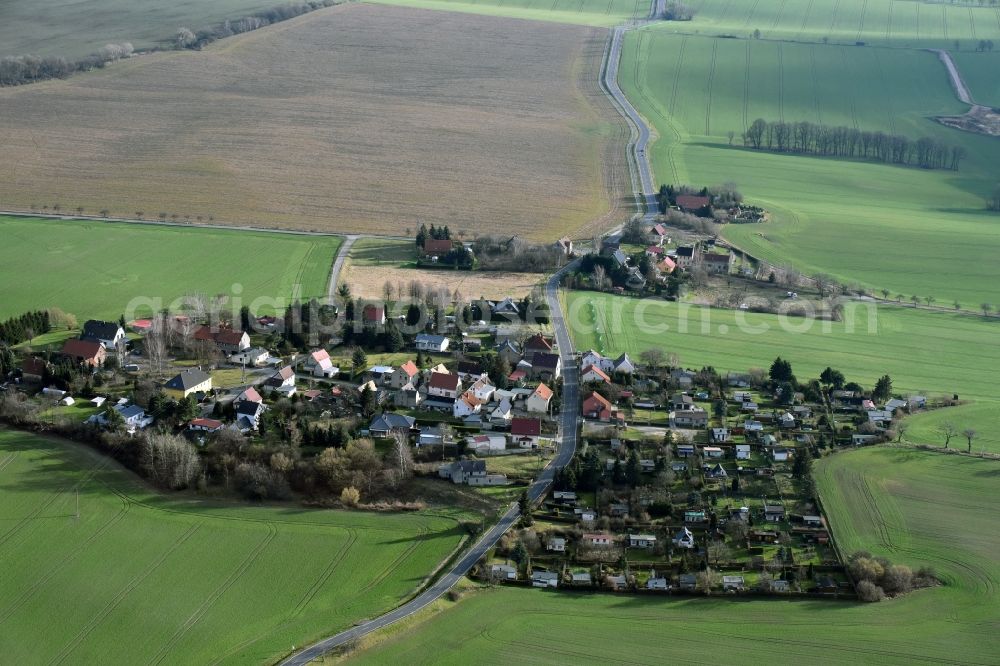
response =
{"points": [[338, 265]]}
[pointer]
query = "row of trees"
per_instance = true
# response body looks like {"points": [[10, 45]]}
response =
{"points": [[827, 141], [186, 38], [437, 233], [25, 327], [22, 69]]}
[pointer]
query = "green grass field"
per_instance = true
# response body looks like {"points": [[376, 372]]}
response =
{"points": [[983, 417], [895, 502], [144, 578], [74, 29], [979, 71], [924, 352], [878, 225], [94, 269], [581, 12], [892, 23]]}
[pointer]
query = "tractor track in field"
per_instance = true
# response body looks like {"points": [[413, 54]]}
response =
{"points": [[944, 22], [916, 25], [777, 15], [853, 96], [122, 594], [805, 19], [746, 91], [7, 461], [972, 25], [885, 88], [330, 569], [781, 83], [200, 612], [753, 8], [888, 24], [861, 19], [711, 79], [28, 593], [815, 84], [833, 16]]}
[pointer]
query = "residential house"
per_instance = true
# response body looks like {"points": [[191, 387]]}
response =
{"points": [[282, 380], [109, 334], [506, 309], [712, 451], [690, 203], [684, 538], [442, 385], [678, 466], [858, 439], [681, 402], [229, 341], [593, 358], [655, 252], [508, 351], [684, 378], [466, 405], [880, 417], [666, 266], [205, 425], [658, 234], [390, 423], [657, 583], [469, 371], [687, 582], [717, 472], [254, 357], [694, 516], [32, 369], [431, 436], [486, 443], [556, 545], [431, 343], [743, 452], [437, 247], [373, 315], [320, 364], [248, 406], [593, 374], [188, 382], [780, 454], [403, 375], [697, 418], [546, 366], [717, 264], [471, 472], [686, 256], [86, 352], [753, 426], [545, 579], [538, 343], [685, 451], [719, 435], [786, 420], [538, 401], [526, 432], [596, 406], [502, 413], [641, 540], [565, 245], [503, 572], [623, 364], [581, 578], [483, 389]]}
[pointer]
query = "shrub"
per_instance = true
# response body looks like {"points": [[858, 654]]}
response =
{"points": [[868, 591], [350, 496]]}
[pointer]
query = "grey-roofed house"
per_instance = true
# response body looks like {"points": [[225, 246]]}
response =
{"points": [[108, 333], [432, 343], [546, 366], [389, 423]]}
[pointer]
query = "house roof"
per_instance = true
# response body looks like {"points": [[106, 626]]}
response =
{"points": [[655, 249], [94, 329], [543, 392], [211, 424], [470, 399], [410, 368], [286, 372], [526, 427], [659, 229], [685, 251], [250, 395], [320, 356], [667, 265], [86, 349], [714, 258], [188, 379], [33, 366], [469, 368], [392, 421], [437, 245], [598, 398], [538, 341], [129, 411], [445, 382], [430, 339], [372, 312], [544, 360], [597, 371], [229, 336], [517, 375], [691, 202]]}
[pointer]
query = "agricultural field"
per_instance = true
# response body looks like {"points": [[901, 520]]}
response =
{"points": [[581, 12], [979, 72], [75, 29], [363, 118], [891, 23], [894, 502], [95, 269], [374, 261], [983, 417], [932, 353], [845, 218], [185, 580]]}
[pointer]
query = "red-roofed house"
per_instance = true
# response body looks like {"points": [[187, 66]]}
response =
{"points": [[596, 406], [659, 233], [205, 425], [717, 263], [690, 202], [525, 432], [403, 375], [466, 405], [32, 369], [321, 365], [594, 374], [228, 340], [666, 266], [437, 247], [539, 400], [373, 314], [537, 343], [85, 351], [655, 251], [517, 376], [443, 385]]}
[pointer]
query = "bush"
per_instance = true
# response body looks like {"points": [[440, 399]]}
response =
{"points": [[898, 579], [350, 496], [258, 482], [868, 591]]}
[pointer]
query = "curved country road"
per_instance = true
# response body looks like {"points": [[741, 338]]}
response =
{"points": [[646, 195]]}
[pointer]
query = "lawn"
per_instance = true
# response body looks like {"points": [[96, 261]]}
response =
{"points": [[364, 118], [916, 518], [983, 417], [142, 578], [103, 269], [878, 225], [933, 353], [74, 29]]}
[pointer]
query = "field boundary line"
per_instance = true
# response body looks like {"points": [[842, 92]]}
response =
{"points": [[711, 80]]}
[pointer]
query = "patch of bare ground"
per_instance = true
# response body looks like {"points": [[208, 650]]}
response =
{"points": [[979, 120], [368, 281], [360, 118]]}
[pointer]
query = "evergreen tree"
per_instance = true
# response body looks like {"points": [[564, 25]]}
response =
{"points": [[883, 389], [781, 371]]}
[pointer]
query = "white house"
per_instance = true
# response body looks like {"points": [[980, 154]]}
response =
{"points": [[255, 357], [431, 343], [466, 405], [712, 451], [623, 364], [641, 540], [486, 443], [320, 365], [502, 413], [443, 385], [545, 579], [598, 539], [786, 420], [684, 538], [556, 545], [593, 358], [593, 374], [503, 572], [780, 454], [743, 452], [108, 333], [538, 401], [483, 389]]}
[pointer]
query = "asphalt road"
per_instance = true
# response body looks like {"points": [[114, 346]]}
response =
{"points": [[338, 265]]}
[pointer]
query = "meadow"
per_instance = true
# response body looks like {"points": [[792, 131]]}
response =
{"points": [[74, 29], [879, 499], [933, 353], [581, 12], [983, 417], [848, 219], [364, 118], [138, 577], [979, 72], [94, 269]]}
